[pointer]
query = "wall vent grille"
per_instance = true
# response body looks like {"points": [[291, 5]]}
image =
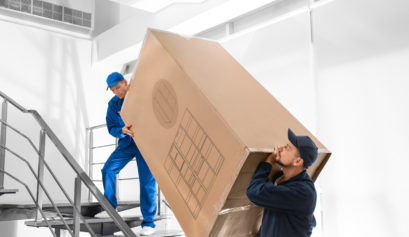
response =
{"points": [[50, 11]]}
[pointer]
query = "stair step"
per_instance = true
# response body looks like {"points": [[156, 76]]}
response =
{"points": [[101, 226], [160, 233], [56, 223], [11, 213], [8, 191], [27, 211], [90, 209]]}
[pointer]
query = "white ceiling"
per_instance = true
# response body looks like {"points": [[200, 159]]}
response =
{"points": [[373, 21]]}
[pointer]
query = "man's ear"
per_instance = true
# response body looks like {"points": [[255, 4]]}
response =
{"points": [[299, 161]]}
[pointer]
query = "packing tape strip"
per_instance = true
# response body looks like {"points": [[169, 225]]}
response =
{"points": [[236, 209]]}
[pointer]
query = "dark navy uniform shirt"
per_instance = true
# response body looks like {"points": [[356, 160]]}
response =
{"points": [[288, 206], [115, 123]]}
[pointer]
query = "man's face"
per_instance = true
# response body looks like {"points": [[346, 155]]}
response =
{"points": [[120, 89], [288, 154]]}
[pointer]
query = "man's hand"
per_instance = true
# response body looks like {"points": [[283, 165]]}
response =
{"points": [[127, 130], [273, 156]]}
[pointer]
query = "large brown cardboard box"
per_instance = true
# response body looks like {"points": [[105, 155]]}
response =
{"points": [[203, 124]]}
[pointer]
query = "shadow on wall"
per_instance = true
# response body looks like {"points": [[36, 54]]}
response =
{"points": [[44, 71], [65, 107], [82, 115], [66, 94]]}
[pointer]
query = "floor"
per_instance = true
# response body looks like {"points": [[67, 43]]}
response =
{"points": [[164, 228]]}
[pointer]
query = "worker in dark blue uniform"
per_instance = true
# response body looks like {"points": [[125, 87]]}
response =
{"points": [[289, 200], [125, 152]]}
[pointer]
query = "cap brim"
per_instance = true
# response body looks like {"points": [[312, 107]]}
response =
{"points": [[292, 137], [109, 86]]}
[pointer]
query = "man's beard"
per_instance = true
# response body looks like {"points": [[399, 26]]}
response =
{"points": [[281, 164]]}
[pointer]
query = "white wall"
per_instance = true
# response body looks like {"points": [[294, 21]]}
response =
{"points": [[44, 71], [356, 103], [362, 52], [280, 60], [363, 114]]}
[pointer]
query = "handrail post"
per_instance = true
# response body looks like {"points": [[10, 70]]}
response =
{"points": [[57, 232], [3, 141], [90, 160], [116, 187], [117, 176], [77, 204], [159, 201], [40, 172]]}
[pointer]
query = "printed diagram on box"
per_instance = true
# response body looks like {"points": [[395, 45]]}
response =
{"points": [[193, 163], [165, 104]]}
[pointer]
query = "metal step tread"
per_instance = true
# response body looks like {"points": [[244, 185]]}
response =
{"points": [[8, 191], [89, 220], [28, 211], [103, 227], [71, 221], [121, 204]]}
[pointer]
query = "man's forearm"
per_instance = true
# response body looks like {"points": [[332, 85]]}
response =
{"points": [[259, 178]]}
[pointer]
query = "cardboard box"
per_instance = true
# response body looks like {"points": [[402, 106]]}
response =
{"points": [[203, 124]]}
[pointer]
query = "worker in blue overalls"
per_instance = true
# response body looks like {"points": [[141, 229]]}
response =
{"points": [[124, 153], [289, 200]]}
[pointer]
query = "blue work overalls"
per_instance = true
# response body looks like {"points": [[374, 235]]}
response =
{"points": [[124, 153]]}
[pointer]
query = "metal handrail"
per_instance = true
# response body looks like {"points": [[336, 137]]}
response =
{"points": [[40, 182], [120, 223], [91, 149], [42, 186], [97, 126], [11, 101], [50, 171], [45, 163], [91, 164], [49, 196], [32, 197], [102, 146], [120, 179], [21, 134]]}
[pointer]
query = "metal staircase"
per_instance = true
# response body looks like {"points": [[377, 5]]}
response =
{"points": [[7, 191], [73, 215]]}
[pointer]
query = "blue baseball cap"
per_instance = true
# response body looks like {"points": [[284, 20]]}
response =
{"points": [[307, 148], [114, 78]]}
